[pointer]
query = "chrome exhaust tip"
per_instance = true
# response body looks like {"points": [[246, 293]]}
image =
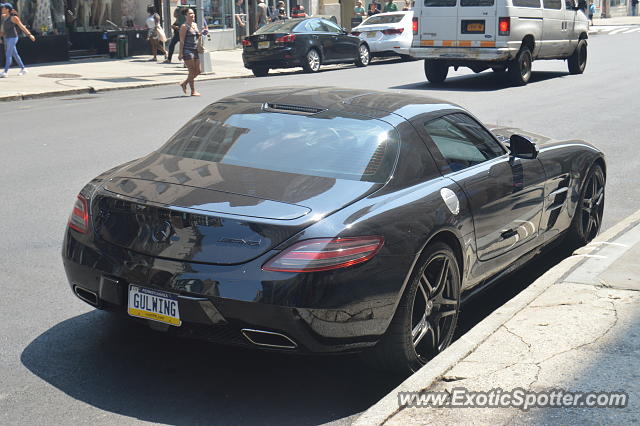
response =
{"points": [[268, 339], [88, 296]]}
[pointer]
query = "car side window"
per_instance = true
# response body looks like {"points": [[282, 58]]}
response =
{"points": [[331, 27], [316, 25], [527, 3], [552, 4], [462, 141]]}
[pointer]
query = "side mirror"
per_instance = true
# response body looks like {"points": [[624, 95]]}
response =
{"points": [[522, 147]]}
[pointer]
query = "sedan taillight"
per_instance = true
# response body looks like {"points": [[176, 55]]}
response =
{"points": [[322, 254], [393, 31], [246, 43], [289, 38], [79, 219], [356, 33]]}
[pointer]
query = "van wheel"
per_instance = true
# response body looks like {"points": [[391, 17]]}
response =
{"points": [[578, 60], [435, 71], [312, 61], [520, 67], [259, 71]]}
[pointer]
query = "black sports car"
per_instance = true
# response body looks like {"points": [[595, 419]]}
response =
{"points": [[306, 43], [326, 220]]}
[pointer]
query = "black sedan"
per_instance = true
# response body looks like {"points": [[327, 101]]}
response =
{"points": [[306, 43], [326, 220]]}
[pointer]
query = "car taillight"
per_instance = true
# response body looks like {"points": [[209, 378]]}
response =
{"points": [[504, 26], [246, 43], [79, 219], [415, 26], [393, 31], [289, 38], [356, 33], [323, 254]]}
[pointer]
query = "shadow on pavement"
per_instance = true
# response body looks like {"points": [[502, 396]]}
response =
{"points": [[123, 367], [482, 82]]}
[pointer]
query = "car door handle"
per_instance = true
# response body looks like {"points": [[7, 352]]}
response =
{"points": [[508, 233]]}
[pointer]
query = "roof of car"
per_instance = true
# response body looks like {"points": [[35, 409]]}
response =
{"points": [[403, 104]]}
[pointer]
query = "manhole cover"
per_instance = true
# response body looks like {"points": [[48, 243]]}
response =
{"points": [[60, 75]]}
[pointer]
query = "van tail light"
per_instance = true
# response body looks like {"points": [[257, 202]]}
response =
{"points": [[356, 33], [246, 43], [414, 26], [504, 26], [323, 254], [393, 31], [79, 219], [289, 38]]}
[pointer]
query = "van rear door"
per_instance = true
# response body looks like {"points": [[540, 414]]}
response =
{"points": [[476, 25], [438, 20]]}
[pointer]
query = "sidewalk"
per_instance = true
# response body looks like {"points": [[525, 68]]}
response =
{"points": [[96, 75], [618, 20], [576, 328]]}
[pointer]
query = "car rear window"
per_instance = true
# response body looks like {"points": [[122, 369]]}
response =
{"points": [[279, 27], [440, 3], [470, 3], [324, 144], [387, 19]]}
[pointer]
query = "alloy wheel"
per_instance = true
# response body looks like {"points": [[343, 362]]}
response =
{"points": [[364, 54], [592, 206], [313, 59], [434, 308]]}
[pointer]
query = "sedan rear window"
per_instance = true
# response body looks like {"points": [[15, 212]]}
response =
{"points": [[387, 19], [324, 144], [279, 27]]}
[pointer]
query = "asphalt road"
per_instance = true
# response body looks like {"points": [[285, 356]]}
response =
{"points": [[63, 362]]}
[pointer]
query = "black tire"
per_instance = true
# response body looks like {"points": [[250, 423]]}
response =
{"points": [[587, 217], [312, 61], [499, 70], [260, 71], [419, 318], [435, 71], [578, 60], [364, 56], [520, 67]]}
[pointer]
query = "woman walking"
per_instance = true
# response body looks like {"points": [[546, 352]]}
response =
{"points": [[8, 29], [189, 36], [153, 34]]}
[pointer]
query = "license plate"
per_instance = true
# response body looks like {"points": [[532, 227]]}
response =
{"points": [[263, 45], [154, 305], [372, 34], [476, 28]]}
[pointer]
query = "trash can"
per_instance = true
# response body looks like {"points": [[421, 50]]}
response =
{"points": [[122, 46], [112, 40]]}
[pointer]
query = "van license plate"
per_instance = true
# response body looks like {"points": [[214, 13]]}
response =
{"points": [[263, 45], [475, 28], [154, 305]]}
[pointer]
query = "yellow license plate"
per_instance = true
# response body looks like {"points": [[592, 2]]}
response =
{"points": [[475, 28], [153, 305], [263, 45], [372, 34]]}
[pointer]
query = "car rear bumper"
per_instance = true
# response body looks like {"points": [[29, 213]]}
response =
{"points": [[462, 54], [217, 303], [282, 58], [390, 46]]}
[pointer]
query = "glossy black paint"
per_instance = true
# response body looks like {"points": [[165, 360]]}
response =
{"points": [[229, 221], [334, 47]]}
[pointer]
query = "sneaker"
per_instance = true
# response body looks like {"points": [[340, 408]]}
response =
{"points": [[3, 74], [23, 71]]}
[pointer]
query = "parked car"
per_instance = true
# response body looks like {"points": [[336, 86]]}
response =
{"points": [[504, 35], [306, 43], [320, 220], [384, 33]]}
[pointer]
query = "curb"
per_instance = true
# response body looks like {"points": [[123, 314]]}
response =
{"points": [[92, 90], [388, 406]]}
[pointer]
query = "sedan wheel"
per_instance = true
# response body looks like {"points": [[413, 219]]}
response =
{"points": [[312, 63], [364, 56], [426, 316], [589, 210]]}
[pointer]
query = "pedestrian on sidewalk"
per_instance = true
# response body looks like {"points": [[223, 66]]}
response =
{"points": [[179, 20], [189, 37], [262, 18], [155, 34], [592, 11], [634, 7], [390, 7], [9, 31]]}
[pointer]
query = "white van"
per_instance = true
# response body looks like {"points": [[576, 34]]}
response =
{"points": [[505, 35]]}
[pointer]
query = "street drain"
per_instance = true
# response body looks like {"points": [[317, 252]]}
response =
{"points": [[60, 75]]}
